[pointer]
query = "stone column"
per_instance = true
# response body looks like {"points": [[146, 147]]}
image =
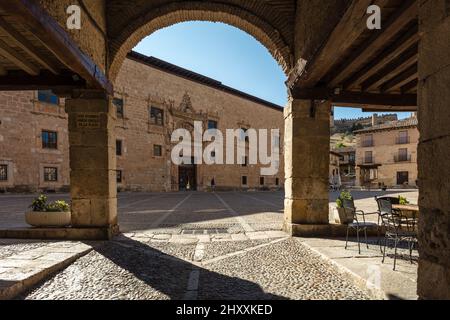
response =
{"points": [[92, 162], [434, 150], [307, 161]]}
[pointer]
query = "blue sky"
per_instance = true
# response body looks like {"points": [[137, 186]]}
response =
{"points": [[228, 55]]}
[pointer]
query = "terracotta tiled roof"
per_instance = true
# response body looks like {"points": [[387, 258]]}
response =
{"points": [[193, 76], [392, 125]]}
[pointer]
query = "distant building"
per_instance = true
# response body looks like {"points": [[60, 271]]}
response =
{"points": [[386, 154], [347, 165]]}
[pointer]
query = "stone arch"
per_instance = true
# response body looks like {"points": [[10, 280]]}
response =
{"points": [[179, 12]]}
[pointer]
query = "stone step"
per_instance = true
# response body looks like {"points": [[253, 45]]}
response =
{"points": [[21, 272]]}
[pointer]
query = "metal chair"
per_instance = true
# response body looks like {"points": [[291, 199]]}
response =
{"points": [[354, 222], [394, 225]]}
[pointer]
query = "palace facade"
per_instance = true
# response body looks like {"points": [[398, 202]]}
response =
{"points": [[152, 99]]}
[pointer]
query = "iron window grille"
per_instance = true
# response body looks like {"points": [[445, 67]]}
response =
{"points": [[49, 139], [3, 172], [50, 174]]}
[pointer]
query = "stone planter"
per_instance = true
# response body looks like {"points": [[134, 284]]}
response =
{"points": [[48, 219], [345, 216]]}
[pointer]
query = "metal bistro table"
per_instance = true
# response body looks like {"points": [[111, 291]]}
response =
{"points": [[409, 211]]}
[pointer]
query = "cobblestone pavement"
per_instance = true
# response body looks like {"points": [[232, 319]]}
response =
{"points": [[197, 246]]}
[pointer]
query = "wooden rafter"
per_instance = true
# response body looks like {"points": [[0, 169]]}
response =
{"points": [[409, 86], [18, 59], [37, 21], [26, 46], [393, 51], [399, 20], [400, 80], [348, 30], [397, 66]]}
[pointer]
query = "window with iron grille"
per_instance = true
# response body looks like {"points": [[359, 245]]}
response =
{"points": [[3, 172], [156, 116], [50, 174], [48, 96], [118, 103], [119, 176], [157, 150], [49, 139]]}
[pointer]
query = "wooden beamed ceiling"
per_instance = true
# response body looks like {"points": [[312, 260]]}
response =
{"points": [[381, 66], [37, 53]]}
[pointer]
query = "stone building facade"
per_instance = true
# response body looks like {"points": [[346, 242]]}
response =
{"points": [[386, 155], [152, 99]]}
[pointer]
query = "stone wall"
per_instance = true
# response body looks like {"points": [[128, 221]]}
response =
{"points": [[22, 119]]}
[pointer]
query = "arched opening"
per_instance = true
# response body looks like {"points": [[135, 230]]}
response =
{"points": [[175, 13], [178, 98]]}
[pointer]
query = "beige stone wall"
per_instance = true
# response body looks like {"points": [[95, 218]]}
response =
{"points": [[384, 151], [22, 119], [142, 86]]}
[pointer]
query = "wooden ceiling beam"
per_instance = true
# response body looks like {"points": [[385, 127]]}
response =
{"points": [[26, 46], [390, 29], [48, 31], [401, 44], [355, 98], [348, 30], [403, 78], [19, 80], [397, 66], [3, 71], [18, 59]]}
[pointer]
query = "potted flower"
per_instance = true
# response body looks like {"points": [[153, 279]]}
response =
{"points": [[344, 216], [44, 214]]}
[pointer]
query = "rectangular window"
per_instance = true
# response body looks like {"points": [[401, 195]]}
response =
{"points": [[367, 141], [156, 116], [49, 139], [212, 124], [50, 174], [402, 155], [48, 96], [261, 181], [277, 181], [244, 180], [118, 103], [3, 172], [157, 150], [118, 147], [402, 177], [119, 176], [368, 157]]}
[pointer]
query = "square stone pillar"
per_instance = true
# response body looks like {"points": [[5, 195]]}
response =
{"points": [[307, 161], [434, 150], [92, 162]]}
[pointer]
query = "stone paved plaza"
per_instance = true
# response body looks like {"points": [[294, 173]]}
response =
{"points": [[190, 246]]}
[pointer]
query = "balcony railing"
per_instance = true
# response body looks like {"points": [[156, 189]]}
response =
{"points": [[367, 143], [402, 140], [402, 158]]}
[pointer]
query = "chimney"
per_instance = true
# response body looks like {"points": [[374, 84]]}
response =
{"points": [[374, 119]]}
